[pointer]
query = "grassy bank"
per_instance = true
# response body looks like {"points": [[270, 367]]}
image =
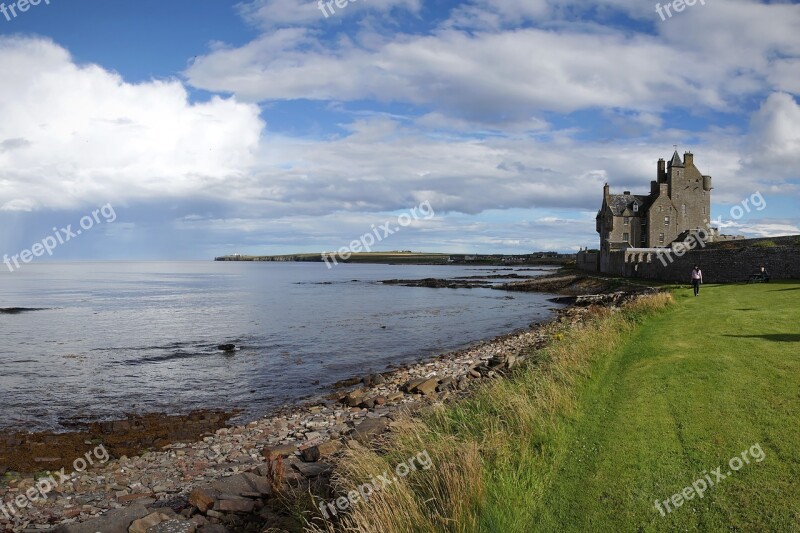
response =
{"points": [[629, 408]]}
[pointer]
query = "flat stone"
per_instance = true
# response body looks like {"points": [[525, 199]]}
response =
{"points": [[234, 506], [114, 521], [233, 485], [174, 526], [203, 498], [366, 430], [412, 384], [313, 469], [427, 387], [213, 528], [143, 524], [282, 450]]}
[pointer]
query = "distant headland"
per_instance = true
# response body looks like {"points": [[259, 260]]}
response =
{"points": [[414, 258]]}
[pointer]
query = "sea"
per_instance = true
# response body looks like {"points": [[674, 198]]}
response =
{"points": [[99, 340]]}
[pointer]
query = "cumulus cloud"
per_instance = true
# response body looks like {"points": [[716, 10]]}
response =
{"points": [[73, 133]]}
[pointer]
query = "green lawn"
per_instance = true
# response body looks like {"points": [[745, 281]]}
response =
{"points": [[694, 386], [630, 408]]}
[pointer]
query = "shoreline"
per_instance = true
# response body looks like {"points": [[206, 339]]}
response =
{"points": [[301, 433]]}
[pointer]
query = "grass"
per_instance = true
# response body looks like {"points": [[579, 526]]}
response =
{"points": [[632, 407], [765, 244]]}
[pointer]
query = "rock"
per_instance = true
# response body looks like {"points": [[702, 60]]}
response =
{"points": [[378, 379], [427, 387], [234, 506], [143, 524], [474, 373], [313, 469], [380, 400], [346, 383], [412, 384], [283, 450], [174, 526], [445, 384], [353, 398], [114, 521], [203, 498], [213, 528], [242, 484], [133, 497], [369, 403], [227, 347], [369, 428], [314, 453]]}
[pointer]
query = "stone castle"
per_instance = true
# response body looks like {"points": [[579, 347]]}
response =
{"points": [[679, 204]]}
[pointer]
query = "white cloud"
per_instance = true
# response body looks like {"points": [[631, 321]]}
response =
{"points": [[72, 133]]}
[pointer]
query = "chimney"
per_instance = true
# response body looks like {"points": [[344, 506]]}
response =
{"points": [[662, 171], [688, 159], [605, 190]]}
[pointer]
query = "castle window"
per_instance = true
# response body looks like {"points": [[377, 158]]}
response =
{"points": [[683, 209], [627, 220], [660, 208], [666, 221], [635, 208], [704, 210], [626, 237], [661, 237]]}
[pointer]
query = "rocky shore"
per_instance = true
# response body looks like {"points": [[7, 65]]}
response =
{"points": [[234, 479]]}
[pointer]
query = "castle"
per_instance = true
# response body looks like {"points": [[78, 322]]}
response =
{"points": [[679, 204]]}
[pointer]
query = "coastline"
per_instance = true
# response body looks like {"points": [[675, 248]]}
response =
{"points": [[302, 434]]}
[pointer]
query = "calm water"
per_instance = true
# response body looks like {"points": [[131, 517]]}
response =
{"points": [[142, 337]]}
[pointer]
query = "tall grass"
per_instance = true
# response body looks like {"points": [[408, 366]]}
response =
{"points": [[494, 454]]}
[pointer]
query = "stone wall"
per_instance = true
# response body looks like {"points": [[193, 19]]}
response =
{"points": [[588, 261], [724, 262]]}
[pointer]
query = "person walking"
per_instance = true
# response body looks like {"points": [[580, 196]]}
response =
{"points": [[697, 279]]}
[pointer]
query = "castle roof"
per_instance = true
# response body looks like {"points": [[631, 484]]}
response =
{"points": [[619, 203], [676, 160]]}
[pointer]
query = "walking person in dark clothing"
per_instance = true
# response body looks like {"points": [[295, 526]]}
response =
{"points": [[697, 279]]}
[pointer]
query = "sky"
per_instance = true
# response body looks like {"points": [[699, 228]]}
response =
{"points": [[281, 126]]}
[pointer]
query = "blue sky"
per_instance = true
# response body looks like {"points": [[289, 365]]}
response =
{"points": [[217, 127]]}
